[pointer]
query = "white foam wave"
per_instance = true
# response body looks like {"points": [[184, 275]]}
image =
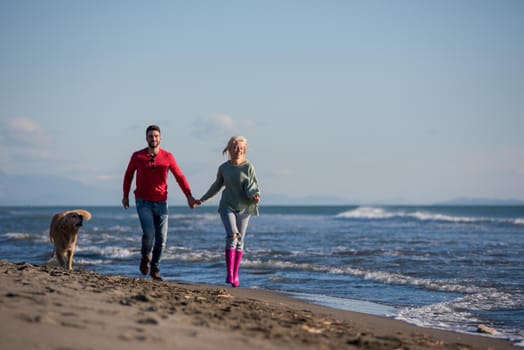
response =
{"points": [[53, 261], [26, 236], [279, 265], [489, 299], [92, 262], [451, 314], [187, 254], [435, 285], [441, 217], [372, 213], [19, 236], [110, 252], [450, 286], [103, 237], [195, 257], [441, 315], [277, 278], [367, 213]]}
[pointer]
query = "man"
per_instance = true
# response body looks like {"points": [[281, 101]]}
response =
{"points": [[151, 165]]}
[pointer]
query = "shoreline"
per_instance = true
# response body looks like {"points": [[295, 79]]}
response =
{"points": [[355, 305], [48, 307]]}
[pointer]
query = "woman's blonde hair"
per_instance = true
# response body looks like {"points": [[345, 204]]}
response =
{"points": [[234, 139]]}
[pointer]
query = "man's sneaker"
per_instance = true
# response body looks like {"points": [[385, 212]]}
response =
{"points": [[144, 265], [155, 274]]}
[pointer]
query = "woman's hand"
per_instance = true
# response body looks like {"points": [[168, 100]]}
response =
{"points": [[192, 202]]}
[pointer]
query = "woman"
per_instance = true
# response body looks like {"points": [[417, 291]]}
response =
{"points": [[238, 202]]}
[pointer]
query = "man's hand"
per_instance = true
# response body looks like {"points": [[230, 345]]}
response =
{"points": [[192, 202], [125, 202]]}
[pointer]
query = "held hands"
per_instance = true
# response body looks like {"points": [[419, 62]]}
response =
{"points": [[192, 202]]}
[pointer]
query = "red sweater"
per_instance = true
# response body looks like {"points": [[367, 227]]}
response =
{"points": [[151, 176]]}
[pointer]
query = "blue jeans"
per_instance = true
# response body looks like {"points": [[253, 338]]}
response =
{"points": [[154, 220], [235, 223]]}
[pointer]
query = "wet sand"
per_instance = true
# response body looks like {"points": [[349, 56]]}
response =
{"points": [[45, 307]]}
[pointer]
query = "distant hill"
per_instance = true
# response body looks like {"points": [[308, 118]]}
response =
{"points": [[59, 191], [51, 190], [55, 190], [481, 201]]}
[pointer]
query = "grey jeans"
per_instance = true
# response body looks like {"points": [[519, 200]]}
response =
{"points": [[235, 223]]}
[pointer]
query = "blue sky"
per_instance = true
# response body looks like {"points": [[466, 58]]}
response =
{"points": [[368, 101]]}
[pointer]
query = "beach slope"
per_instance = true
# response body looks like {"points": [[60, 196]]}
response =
{"points": [[44, 307]]}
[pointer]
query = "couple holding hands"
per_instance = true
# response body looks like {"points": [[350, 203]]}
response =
{"points": [[238, 202]]}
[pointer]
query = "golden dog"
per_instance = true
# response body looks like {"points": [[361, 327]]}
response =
{"points": [[63, 232]]}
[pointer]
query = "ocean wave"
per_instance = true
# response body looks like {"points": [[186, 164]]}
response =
{"points": [[105, 237], [441, 316], [452, 315], [376, 213], [449, 286], [19, 236], [279, 265], [114, 228], [110, 252], [490, 299], [262, 260], [278, 278], [186, 254], [26, 236], [84, 262], [367, 213]]}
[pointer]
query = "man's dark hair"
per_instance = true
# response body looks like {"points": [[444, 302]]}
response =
{"points": [[152, 127]]}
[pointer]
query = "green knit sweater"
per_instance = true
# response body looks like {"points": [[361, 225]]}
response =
{"points": [[241, 184]]}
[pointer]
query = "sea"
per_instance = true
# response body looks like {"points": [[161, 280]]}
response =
{"points": [[445, 267]]}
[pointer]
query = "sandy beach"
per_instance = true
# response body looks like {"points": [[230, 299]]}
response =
{"points": [[44, 307]]}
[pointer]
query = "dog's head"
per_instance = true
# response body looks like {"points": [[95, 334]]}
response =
{"points": [[75, 218]]}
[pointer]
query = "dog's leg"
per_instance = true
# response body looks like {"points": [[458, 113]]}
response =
{"points": [[70, 260], [60, 256], [71, 253]]}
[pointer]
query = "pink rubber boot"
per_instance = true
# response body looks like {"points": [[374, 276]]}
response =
{"points": [[230, 262], [236, 266]]}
